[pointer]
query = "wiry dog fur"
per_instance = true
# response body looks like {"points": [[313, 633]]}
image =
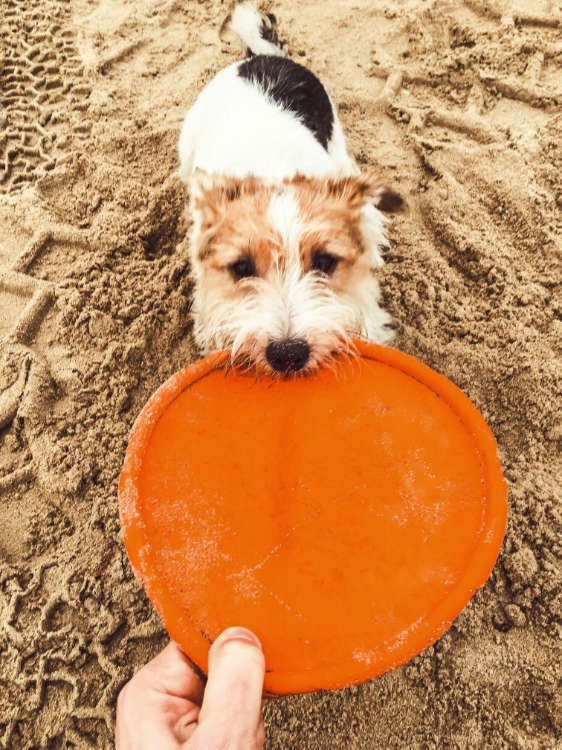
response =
{"points": [[287, 233]]}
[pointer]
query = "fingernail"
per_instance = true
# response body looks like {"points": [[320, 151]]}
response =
{"points": [[238, 634]]}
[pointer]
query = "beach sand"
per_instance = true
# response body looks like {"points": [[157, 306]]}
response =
{"points": [[457, 104]]}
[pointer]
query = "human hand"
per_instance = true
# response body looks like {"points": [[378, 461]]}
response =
{"points": [[166, 707]]}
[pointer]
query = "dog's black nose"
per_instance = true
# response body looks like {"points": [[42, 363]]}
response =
{"points": [[288, 356]]}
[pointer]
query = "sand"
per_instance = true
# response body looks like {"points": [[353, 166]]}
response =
{"points": [[456, 103]]}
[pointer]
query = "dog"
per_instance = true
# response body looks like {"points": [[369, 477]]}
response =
{"points": [[287, 233]]}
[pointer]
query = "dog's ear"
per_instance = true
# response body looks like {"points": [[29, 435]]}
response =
{"points": [[365, 188], [386, 199], [211, 193], [379, 194], [199, 183]]}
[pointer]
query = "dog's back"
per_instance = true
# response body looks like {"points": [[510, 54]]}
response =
{"points": [[265, 116]]}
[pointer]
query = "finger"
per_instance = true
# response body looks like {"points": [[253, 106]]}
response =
{"points": [[187, 725], [260, 737], [171, 673], [121, 733], [231, 710], [141, 724]]}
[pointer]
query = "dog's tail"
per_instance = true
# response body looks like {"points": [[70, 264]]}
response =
{"points": [[258, 31]]}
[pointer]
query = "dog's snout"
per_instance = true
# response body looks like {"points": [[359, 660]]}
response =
{"points": [[288, 356]]}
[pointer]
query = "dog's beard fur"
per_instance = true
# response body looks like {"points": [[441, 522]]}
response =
{"points": [[286, 300], [284, 305]]}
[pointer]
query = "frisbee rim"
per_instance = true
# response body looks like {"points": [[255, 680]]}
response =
{"points": [[426, 631]]}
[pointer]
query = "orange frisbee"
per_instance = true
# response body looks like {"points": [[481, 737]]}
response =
{"points": [[346, 518]]}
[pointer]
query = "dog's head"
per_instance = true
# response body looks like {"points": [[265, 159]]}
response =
{"points": [[285, 271]]}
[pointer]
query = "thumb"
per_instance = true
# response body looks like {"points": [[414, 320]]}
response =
{"points": [[231, 711]]}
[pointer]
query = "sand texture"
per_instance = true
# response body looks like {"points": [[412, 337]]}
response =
{"points": [[458, 104]]}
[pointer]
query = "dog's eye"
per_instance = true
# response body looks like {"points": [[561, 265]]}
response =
{"points": [[324, 262], [242, 268]]}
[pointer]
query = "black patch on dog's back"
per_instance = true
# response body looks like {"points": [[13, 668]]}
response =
{"points": [[295, 88]]}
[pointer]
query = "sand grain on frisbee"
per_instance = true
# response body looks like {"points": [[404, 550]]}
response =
{"points": [[458, 104]]}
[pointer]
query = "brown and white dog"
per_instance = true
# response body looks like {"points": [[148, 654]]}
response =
{"points": [[287, 233]]}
